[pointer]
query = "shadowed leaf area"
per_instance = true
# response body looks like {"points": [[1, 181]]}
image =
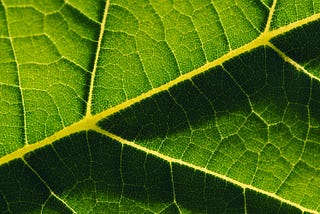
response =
{"points": [[151, 106], [99, 181]]}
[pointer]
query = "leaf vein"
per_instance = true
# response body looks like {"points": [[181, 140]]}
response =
{"points": [[201, 169], [102, 29], [25, 136]]}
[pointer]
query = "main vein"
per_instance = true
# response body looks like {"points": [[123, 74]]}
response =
{"points": [[95, 65], [262, 40], [89, 121]]}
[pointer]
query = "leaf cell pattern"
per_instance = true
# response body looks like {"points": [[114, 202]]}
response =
{"points": [[159, 106]]}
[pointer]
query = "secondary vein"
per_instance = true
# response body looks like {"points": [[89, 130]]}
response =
{"points": [[199, 168], [272, 9], [90, 120], [95, 65], [19, 80]]}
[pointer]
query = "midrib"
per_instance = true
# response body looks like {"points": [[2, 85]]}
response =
{"points": [[89, 121]]}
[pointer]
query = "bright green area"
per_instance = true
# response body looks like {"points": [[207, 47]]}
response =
{"points": [[147, 44], [254, 119], [50, 57], [11, 112], [289, 11]]}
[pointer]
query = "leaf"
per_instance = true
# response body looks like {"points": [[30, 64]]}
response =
{"points": [[159, 106]]}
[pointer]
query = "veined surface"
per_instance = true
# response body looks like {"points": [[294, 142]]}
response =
{"points": [[159, 106]]}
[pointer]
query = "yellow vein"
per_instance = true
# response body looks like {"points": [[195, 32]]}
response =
{"points": [[236, 52], [46, 185], [19, 80], [90, 120], [83, 124], [272, 9], [93, 74], [292, 26], [173, 187], [263, 39], [292, 62], [204, 170]]}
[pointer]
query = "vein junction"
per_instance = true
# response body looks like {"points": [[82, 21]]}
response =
{"points": [[89, 121], [204, 170]]}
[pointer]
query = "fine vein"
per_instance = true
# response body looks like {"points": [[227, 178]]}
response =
{"points": [[204, 170], [19, 81], [46, 185], [90, 120]]}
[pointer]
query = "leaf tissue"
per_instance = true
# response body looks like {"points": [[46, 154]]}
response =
{"points": [[159, 106]]}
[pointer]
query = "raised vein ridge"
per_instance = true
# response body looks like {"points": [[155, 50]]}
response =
{"points": [[273, 6], [202, 169], [93, 74], [25, 136], [89, 121]]}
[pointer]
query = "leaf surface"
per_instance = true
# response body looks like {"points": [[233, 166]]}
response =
{"points": [[159, 106]]}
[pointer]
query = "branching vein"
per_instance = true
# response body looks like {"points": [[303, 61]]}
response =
{"points": [[90, 121], [204, 170]]}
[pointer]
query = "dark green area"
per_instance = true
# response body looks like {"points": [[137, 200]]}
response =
{"points": [[109, 178], [246, 121]]}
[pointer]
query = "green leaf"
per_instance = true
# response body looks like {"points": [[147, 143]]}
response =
{"points": [[159, 106]]}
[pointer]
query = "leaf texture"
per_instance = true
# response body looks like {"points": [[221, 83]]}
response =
{"points": [[155, 106]]}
